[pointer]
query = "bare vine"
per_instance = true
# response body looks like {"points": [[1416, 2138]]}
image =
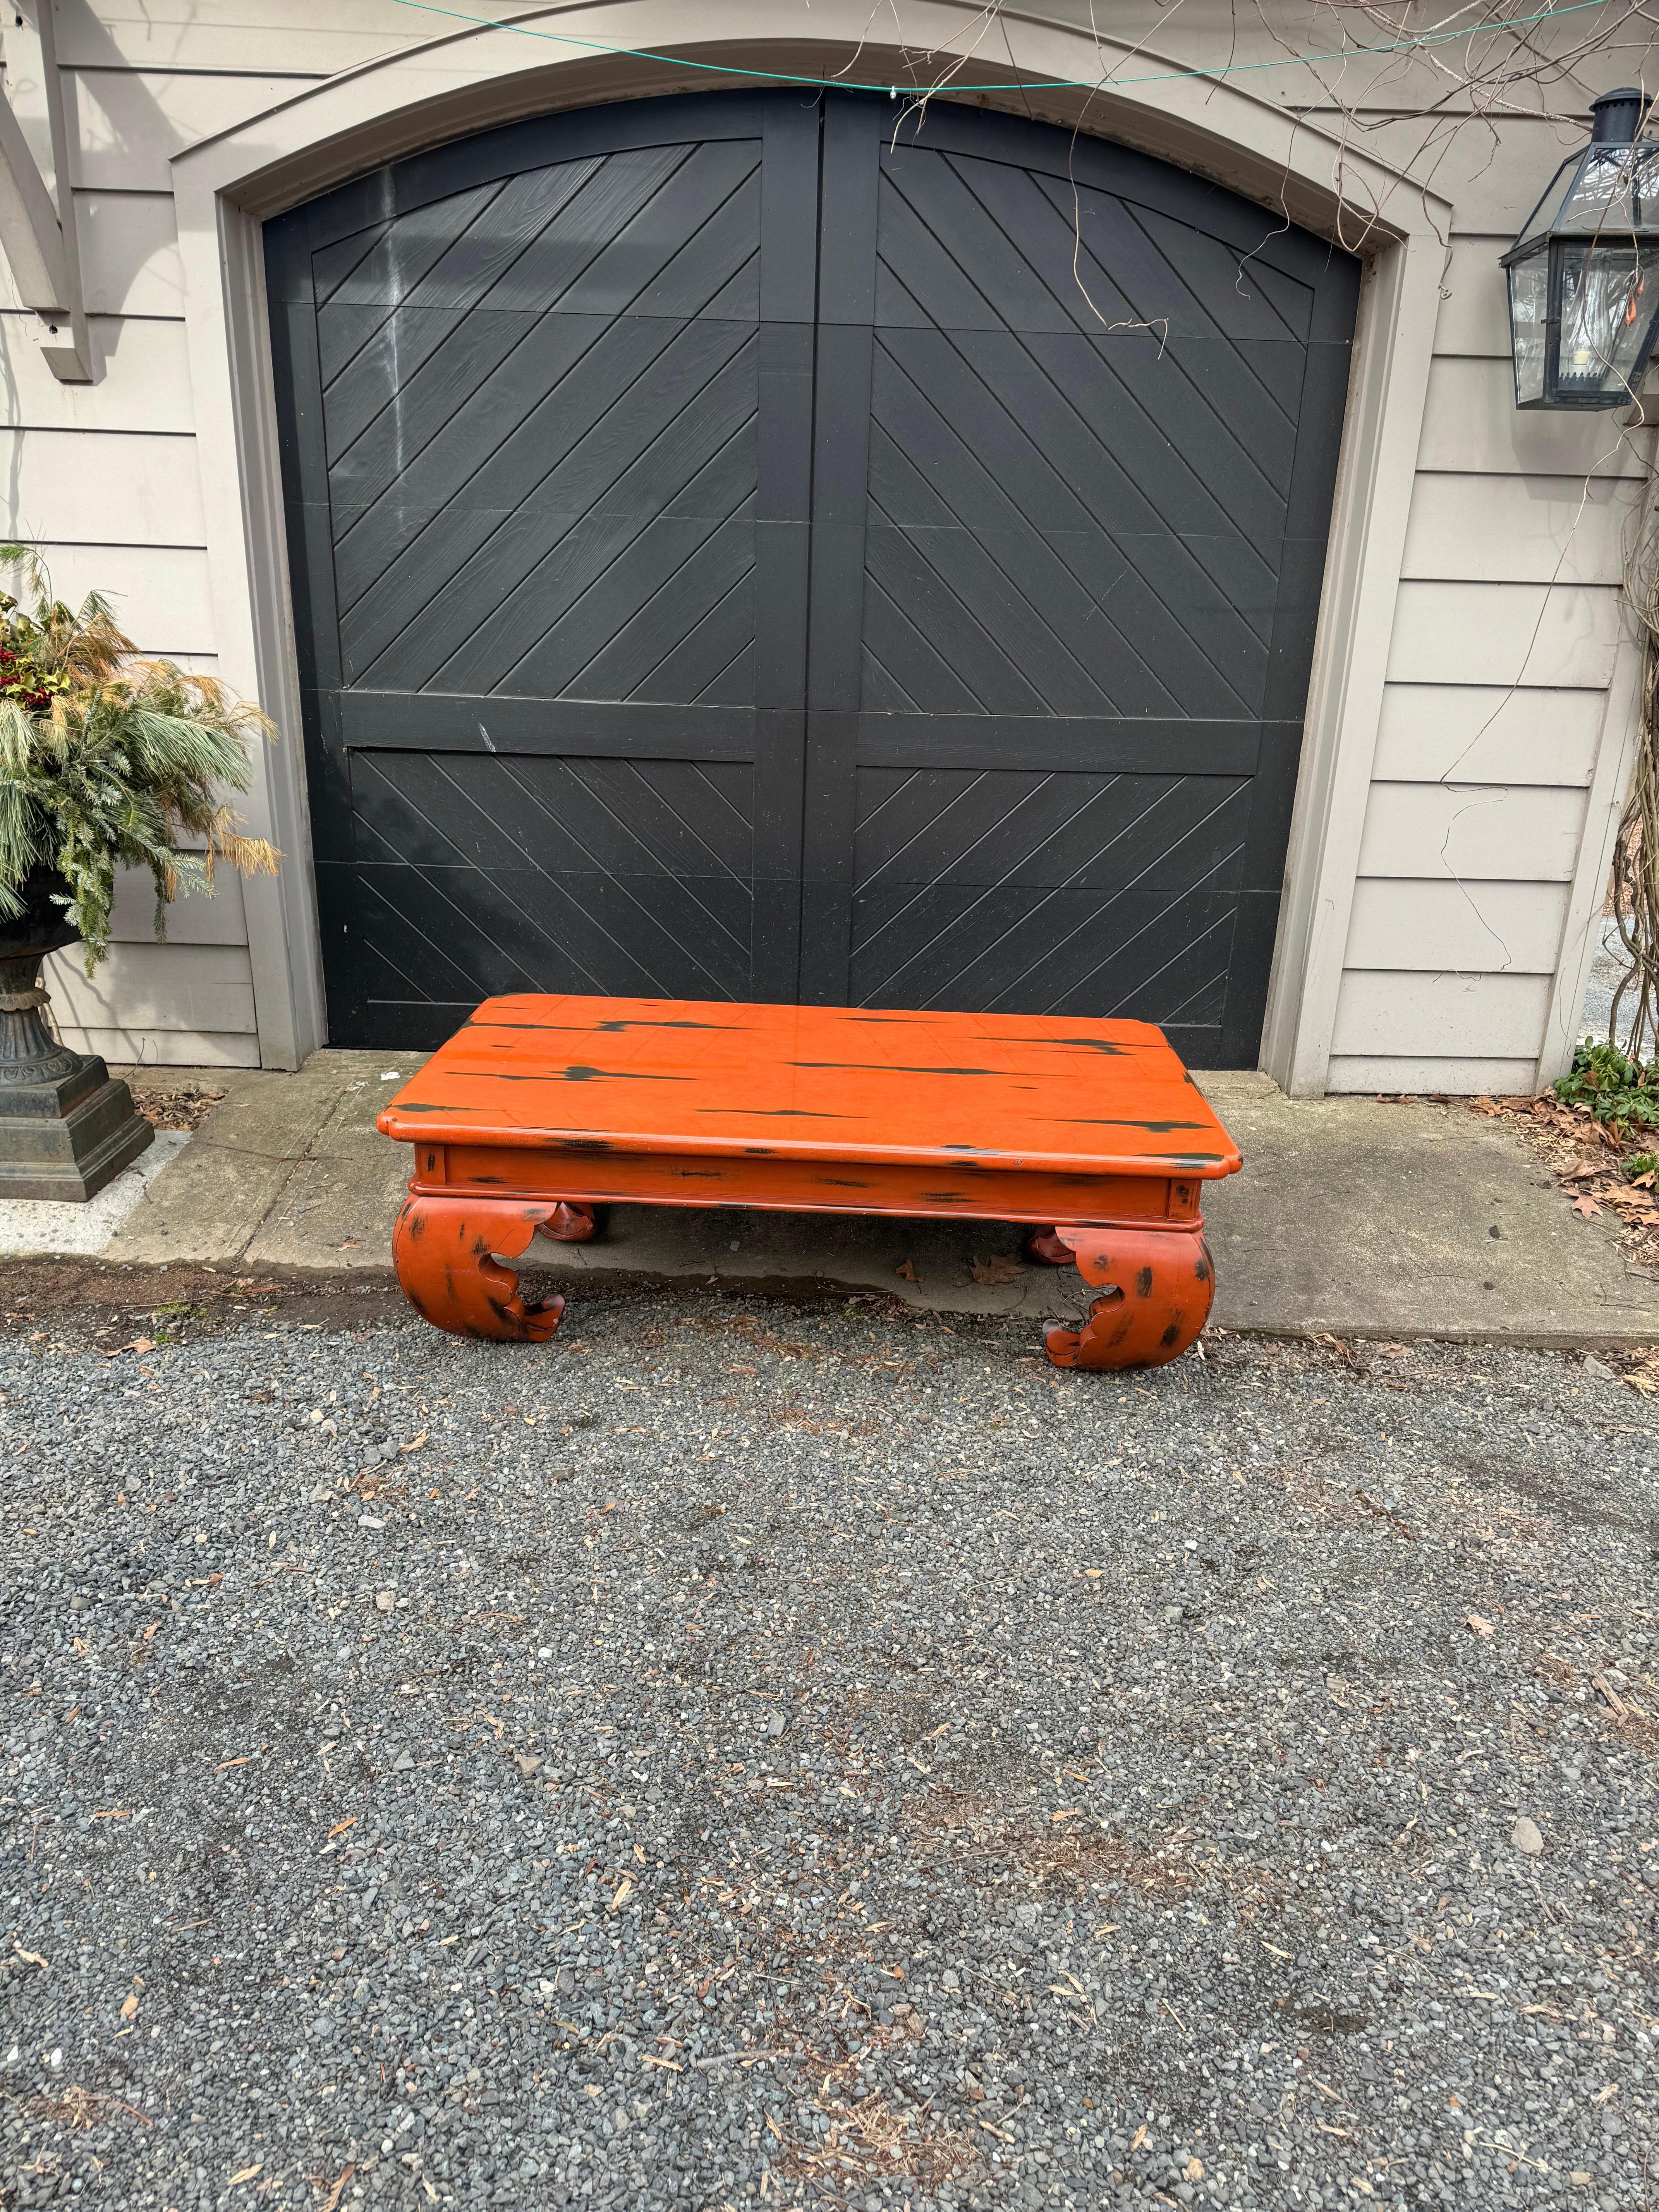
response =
{"points": [[1635, 890]]}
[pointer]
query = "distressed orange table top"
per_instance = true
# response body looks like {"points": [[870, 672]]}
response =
{"points": [[815, 1083]]}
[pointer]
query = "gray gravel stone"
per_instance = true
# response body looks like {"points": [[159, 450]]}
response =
{"points": [[826, 1754]]}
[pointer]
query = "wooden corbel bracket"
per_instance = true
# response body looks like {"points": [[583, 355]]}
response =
{"points": [[38, 237]]}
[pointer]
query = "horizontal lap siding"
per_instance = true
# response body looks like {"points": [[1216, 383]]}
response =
{"points": [[1507, 624], [103, 480], [145, 384], [1491, 833], [162, 595], [241, 35], [129, 255], [202, 987], [1486, 733], [1473, 319], [1473, 424], [1561, 635], [102, 486], [1553, 530], [129, 122], [1464, 927], [1445, 1015], [1458, 1075]]}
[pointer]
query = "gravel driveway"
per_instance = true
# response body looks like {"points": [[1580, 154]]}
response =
{"points": [[741, 1753]]}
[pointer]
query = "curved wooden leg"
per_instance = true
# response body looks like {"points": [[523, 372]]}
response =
{"points": [[1048, 1246], [571, 1222], [444, 1250], [1159, 1286]]}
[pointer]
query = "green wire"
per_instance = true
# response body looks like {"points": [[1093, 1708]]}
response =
{"points": [[1003, 84]]}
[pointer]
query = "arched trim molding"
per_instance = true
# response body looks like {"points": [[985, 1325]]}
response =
{"points": [[471, 79]]}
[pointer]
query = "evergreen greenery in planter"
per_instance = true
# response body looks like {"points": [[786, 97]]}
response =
{"points": [[107, 759]]}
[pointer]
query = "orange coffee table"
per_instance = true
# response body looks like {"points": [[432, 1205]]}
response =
{"points": [[543, 1107]]}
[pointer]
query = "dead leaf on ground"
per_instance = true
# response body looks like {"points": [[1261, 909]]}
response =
{"points": [[1584, 1205], [1480, 1624], [907, 1268], [1001, 1267], [1577, 1169], [129, 2006]]}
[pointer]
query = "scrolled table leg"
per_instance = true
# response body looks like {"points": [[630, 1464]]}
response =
{"points": [[444, 1249], [1048, 1247], [1159, 1286]]}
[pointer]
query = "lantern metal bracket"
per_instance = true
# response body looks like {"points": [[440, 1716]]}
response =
{"points": [[38, 236]]}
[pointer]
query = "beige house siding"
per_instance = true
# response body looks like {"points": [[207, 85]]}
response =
{"points": [[1507, 630], [103, 479], [1485, 829]]}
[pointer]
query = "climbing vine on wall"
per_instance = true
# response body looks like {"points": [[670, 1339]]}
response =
{"points": [[1635, 891]]}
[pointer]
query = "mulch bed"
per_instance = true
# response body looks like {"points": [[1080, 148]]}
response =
{"points": [[173, 1102]]}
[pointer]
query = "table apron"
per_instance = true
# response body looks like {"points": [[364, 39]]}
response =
{"points": [[979, 1192]]}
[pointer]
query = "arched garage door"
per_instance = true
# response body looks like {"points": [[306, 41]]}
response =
{"points": [[736, 556]]}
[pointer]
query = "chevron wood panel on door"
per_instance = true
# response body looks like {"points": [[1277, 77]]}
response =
{"points": [[1082, 520], [1049, 890], [549, 400], [739, 555]]}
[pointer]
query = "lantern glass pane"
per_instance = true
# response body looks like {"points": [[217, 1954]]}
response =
{"points": [[1530, 293], [1614, 194], [1539, 222], [1607, 303]]}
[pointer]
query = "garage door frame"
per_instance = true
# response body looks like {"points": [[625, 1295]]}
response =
{"points": [[808, 738], [227, 186]]}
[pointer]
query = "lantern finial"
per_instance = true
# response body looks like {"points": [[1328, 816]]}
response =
{"points": [[1616, 117]]}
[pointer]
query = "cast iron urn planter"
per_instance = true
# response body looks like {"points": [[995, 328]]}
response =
{"points": [[66, 1127]]}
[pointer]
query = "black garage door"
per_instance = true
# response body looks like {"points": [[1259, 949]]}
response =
{"points": [[737, 556]]}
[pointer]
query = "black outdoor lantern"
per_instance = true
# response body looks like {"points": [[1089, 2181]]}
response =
{"points": [[1584, 272]]}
